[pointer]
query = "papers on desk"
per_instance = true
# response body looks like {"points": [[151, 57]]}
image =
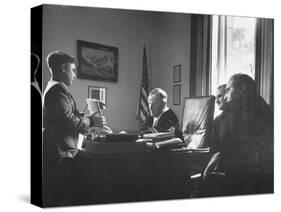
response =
{"points": [[165, 143], [124, 143], [159, 135], [161, 139]]}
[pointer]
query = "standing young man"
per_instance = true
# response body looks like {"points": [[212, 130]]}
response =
{"points": [[62, 124]]}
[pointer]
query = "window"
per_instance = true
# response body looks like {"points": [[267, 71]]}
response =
{"points": [[233, 48]]}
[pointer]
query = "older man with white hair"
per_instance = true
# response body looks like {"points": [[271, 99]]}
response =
{"points": [[162, 118]]}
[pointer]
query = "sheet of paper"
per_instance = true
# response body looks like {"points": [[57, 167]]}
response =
{"points": [[80, 141], [93, 106]]}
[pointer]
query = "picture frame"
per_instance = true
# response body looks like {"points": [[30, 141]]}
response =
{"points": [[98, 93], [97, 62], [177, 94], [177, 73]]}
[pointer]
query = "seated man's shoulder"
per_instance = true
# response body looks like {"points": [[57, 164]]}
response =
{"points": [[223, 122], [170, 112], [221, 117]]}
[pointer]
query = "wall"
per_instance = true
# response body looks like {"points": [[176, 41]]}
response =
{"points": [[166, 36], [171, 46], [127, 30]]}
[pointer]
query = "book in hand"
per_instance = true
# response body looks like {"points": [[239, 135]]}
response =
{"points": [[94, 106]]}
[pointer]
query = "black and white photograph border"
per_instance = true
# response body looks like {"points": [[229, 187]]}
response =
{"points": [[16, 166], [95, 59]]}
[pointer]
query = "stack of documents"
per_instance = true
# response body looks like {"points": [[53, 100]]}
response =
{"points": [[167, 143], [162, 139], [159, 135]]}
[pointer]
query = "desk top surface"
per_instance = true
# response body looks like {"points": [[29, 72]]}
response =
{"points": [[147, 154]]}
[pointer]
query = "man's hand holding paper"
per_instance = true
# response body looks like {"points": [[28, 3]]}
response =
{"points": [[96, 117], [97, 121]]}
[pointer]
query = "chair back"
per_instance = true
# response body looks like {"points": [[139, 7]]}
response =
{"points": [[198, 114]]}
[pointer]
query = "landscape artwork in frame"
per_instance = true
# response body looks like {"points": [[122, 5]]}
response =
{"points": [[97, 62]]}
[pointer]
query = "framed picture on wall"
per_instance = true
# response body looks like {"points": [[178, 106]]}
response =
{"points": [[97, 62], [98, 93], [177, 94], [177, 73]]}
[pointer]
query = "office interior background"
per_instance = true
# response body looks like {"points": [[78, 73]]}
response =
{"points": [[208, 48]]}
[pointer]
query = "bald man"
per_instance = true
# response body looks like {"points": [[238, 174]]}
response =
{"points": [[245, 140]]}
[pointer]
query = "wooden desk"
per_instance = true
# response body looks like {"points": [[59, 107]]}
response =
{"points": [[129, 177]]}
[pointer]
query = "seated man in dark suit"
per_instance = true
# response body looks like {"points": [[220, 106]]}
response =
{"points": [[220, 97], [162, 118], [62, 124], [219, 123], [244, 140]]}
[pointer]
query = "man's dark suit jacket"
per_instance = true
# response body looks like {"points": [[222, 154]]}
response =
{"points": [[243, 133], [166, 121], [62, 123]]}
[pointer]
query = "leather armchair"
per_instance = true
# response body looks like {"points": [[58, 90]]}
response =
{"points": [[198, 114], [197, 121]]}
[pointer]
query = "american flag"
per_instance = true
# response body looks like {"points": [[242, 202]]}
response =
{"points": [[143, 112]]}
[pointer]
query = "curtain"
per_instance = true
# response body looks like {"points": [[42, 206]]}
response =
{"points": [[233, 48], [265, 59], [200, 59], [219, 49]]}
